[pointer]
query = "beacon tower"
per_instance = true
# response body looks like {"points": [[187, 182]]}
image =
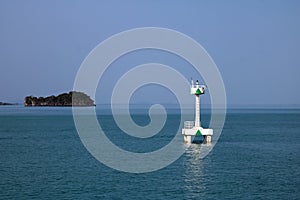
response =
{"points": [[193, 128]]}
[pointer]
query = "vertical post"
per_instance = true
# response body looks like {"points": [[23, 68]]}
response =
{"points": [[187, 138], [197, 113], [207, 139]]}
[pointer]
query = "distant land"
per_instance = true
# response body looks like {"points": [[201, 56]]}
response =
{"points": [[64, 99], [7, 104]]}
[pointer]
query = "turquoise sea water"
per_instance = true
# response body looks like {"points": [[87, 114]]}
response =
{"points": [[256, 157]]}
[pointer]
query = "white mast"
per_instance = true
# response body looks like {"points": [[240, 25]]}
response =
{"points": [[197, 107]]}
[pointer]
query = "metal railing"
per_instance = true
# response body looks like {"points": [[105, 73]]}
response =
{"points": [[189, 124]]}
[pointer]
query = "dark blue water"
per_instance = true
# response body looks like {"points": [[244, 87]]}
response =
{"points": [[42, 157]]}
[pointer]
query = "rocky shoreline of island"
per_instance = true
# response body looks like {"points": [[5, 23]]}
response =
{"points": [[72, 98]]}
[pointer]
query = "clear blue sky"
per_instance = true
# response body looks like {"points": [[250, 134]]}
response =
{"points": [[255, 44]]}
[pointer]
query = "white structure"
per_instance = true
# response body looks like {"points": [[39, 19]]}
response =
{"points": [[193, 128]]}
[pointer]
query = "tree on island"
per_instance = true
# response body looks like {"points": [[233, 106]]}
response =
{"points": [[72, 98]]}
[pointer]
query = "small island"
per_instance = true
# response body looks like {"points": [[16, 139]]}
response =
{"points": [[7, 104], [72, 98]]}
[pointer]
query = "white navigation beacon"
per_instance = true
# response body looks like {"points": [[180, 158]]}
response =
{"points": [[193, 128]]}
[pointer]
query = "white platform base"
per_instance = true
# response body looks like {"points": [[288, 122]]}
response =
{"points": [[195, 131]]}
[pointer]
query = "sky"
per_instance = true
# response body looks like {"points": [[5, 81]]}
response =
{"points": [[255, 44]]}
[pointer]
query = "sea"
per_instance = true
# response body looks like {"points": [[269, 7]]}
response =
{"points": [[256, 157]]}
